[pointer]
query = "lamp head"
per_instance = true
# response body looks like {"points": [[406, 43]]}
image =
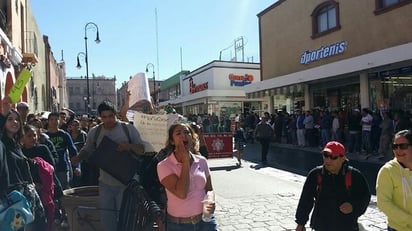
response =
{"points": [[147, 69], [97, 37], [78, 63]]}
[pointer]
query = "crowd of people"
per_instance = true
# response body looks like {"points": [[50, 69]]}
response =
{"points": [[364, 132], [65, 141], [55, 138]]}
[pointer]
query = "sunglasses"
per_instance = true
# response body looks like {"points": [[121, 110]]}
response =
{"points": [[326, 156], [401, 146]]}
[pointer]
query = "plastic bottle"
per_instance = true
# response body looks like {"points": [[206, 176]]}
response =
{"points": [[209, 199]]}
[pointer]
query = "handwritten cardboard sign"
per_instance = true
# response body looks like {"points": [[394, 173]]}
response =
{"points": [[152, 129]]}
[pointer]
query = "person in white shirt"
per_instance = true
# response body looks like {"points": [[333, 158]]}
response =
{"points": [[366, 123], [335, 127]]}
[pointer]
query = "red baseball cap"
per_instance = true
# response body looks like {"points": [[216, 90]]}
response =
{"points": [[334, 148]]}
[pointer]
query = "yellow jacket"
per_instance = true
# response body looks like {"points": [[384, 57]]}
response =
{"points": [[394, 194]]}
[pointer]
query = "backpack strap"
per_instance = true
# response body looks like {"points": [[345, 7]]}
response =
{"points": [[97, 133], [348, 178], [319, 179], [126, 131]]}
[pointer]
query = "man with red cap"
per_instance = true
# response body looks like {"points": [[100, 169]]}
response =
{"points": [[338, 193]]}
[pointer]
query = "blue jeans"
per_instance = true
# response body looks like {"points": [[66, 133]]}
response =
{"points": [[265, 148], [201, 226], [64, 178], [366, 141], [354, 141], [110, 200], [325, 136], [390, 229]]}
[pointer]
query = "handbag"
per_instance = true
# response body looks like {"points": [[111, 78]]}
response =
{"points": [[36, 206], [15, 212]]}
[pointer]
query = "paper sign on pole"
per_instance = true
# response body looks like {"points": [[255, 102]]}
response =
{"points": [[18, 87]]}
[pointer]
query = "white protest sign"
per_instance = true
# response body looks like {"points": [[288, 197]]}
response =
{"points": [[152, 129], [138, 87]]}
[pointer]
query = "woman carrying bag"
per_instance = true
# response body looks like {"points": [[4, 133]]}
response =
{"points": [[20, 178]]}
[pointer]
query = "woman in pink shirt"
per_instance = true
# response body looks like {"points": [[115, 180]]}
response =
{"points": [[186, 177]]}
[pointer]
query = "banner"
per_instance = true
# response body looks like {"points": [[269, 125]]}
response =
{"points": [[219, 145]]}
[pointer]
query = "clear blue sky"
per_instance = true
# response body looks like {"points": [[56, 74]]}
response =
{"points": [[201, 28]]}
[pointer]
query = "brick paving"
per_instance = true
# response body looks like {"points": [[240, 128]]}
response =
{"points": [[271, 209]]}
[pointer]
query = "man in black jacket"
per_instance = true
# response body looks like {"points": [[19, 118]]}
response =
{"points": [[338, 194]]}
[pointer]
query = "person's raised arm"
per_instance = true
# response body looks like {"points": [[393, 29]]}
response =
{"points": [[125, 107], [179, 185]]}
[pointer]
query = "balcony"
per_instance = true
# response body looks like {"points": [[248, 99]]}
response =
{"points": [[30, 58], [30, 48]]}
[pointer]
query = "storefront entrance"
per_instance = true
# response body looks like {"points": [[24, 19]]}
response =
{"points": [[332, 99]]}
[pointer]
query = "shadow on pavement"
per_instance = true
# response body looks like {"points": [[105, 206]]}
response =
{"points": [[300, 160], [224, 168]]}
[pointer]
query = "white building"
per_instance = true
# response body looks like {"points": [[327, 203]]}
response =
{"points": [[217, 87]]}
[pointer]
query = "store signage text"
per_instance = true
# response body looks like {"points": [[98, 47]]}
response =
{"points": [[240, 80], [193, 88], [323, 52]]}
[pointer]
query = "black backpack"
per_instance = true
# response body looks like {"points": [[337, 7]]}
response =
{"points": [[144, 199], [150, 180]]}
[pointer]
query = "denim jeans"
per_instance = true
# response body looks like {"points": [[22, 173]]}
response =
{"points": [[201, 226], [110, 200], [64, 178], [265, 148], [366, 141], [354, 141], [325, 136], [390, 229]]}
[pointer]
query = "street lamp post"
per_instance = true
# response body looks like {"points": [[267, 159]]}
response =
{"points": [[85, 104], [89, 25], [78, 67], [154, 80]]}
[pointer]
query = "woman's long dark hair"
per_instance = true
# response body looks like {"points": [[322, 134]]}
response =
{"points": [[169, 141], [19, 134]]}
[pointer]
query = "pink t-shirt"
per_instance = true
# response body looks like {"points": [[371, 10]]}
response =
{"points": [[199, 171]]}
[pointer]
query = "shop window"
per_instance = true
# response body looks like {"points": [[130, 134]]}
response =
{"points": [[325, 18], [383, 6]]}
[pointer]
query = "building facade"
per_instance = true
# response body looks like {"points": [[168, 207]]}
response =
{"points": [[335, 55], [23, 46], [101, 88], [217, 88]]}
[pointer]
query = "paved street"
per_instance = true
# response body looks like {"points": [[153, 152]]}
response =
{"points": [[262, 199]]}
